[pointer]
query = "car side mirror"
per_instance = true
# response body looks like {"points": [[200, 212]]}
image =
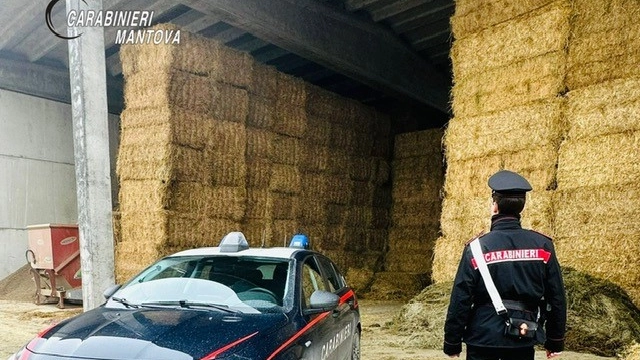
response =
{"points": [[110, 291], [322, 301]]}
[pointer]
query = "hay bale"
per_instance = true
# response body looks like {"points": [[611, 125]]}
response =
{"points": [[428, 168], [589, 161], [258, 173], [470, 16], [256, 205], [229, 103], [427, 214], [290, 120], [226, 170], [285, 179], [377, 240], [261, 113], [518, 128], [321, 103], [292, 91], [259, 143], [418, 144], [286, 150], [519, 83], [315, 158], [264, 82], [601, 320], [360, 279], [318, 131], [604, 109], [140, 195], [397, 285], [603, 50], [145, 162], [427, 188], [312, 212], [534, 34], [282, 206], [226, 64], [413, 238], [631, 352], [413, 262]]}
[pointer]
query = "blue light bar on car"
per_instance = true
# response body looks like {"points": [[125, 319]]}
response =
{"points": [[233, 242], [299, 241]]}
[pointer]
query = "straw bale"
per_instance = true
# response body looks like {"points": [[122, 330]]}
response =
{"points": [[631, 352], [224, 202], [382, 196], [411, 239], [131, 258], [363, 118], [283, 231], [604, 109], [315, 158], [381, 218], [176, 89], [117, 229], [283, 206], [382, 147], [258, 173], [256, 231], [359, 279], [518, 128], [315, 185], [141, 118], [446, 256], [617, 61], [377, 240], [322, 103], [471, 16], [145, 228], [140, 57], [228, 138], [290, 120], [312, 212], [228, 170], [213, 231], [469, 177], [397, 285], [361, 168], [360, 216], [540, 213], [265, 81], [256, 205], [143, 195], [292, 91], [336, 214], [594, 212], [195, 54], [339, 190], [426, 187], [383, 172], [342, 138], [418, 143], [598, 161], [233, 67], [191, 164], [363, 193], [339, 161], [516, 84], [258, 143], [285, 150], [262, 112], [285, 179], [317, 131], [414, 262], [619, 14], [428, 168], [143, 161], [536, 33], [461, 218], [230, 103], [427, 214]]}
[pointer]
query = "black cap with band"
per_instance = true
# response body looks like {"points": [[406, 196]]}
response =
{"points": [[507, 183]]}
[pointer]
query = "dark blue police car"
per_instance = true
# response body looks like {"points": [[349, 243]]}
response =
{"points": [[226, 302]]}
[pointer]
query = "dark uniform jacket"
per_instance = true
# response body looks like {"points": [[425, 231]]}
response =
{"points": [[524, 268]]}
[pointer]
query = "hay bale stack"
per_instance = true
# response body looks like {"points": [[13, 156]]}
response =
{"points": [[603, 50], [598, 230], [509, 76], [418, 175], [602, 318]]}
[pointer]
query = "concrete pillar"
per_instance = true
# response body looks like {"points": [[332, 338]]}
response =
{"points": [[87, 74]]}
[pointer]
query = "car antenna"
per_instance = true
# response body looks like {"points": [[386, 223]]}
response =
{"points": [[264, 235]]}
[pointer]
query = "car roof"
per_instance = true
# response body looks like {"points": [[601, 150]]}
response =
{"points": [[275, 252]]}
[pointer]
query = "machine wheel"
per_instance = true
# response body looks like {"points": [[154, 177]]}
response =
{"points": [[355, 346]]}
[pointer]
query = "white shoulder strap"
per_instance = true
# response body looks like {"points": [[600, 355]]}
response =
{"points": [[486, 276]]}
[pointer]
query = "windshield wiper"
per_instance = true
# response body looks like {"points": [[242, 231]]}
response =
{"points": [[124, 302], [192, 304]]}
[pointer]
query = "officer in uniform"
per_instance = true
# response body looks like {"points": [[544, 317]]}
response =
{"points": [[526, 273]]}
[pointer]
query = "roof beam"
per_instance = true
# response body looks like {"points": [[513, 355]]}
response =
{"points": [[361, 50]]}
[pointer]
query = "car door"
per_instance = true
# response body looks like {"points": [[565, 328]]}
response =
{"points": [[346, 319], [320, 339]]}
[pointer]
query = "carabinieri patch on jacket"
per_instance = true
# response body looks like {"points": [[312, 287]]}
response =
{"points": [[514, 255]]}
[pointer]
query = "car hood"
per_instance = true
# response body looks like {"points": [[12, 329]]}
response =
{"points": [[158, 334]]}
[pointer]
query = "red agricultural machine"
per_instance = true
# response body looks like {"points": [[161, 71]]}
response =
{"points": [[54, 256]]}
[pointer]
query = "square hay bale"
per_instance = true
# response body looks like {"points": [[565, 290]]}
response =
{"points": [[413, 262], [318, 131], [596, 212], [518, 128], [361, 168], [230, 103], [176, 89], [382, 147], [378, 240], [259, 143], [534, 34], [227, 138], [447, 254], [190, 164], [258, 173], [321, 103], [147, 229], [290, 120], [418, 144], [195, 54], [604, 109], [264, 82], [223, 202], [425, 188], [336, 214], [256, 231], [339, 190], [132, 257], [232, 67], [339, 161], [359, 216], [312, 211], [599, 161], [363, 193], [155, 134], [382, 196], [469, 177], [427, 214], [140, 57], [413, 239], [315, 158], [429, 168], [283, 231], [381, 218], [228, 170], [382, 172], [519, 83], [143, 195], [397, 285], [285, 179], [214, 230], [462, 217], [471, 17], [262, 112], [315, 185], [283, 206], [286, 150], [292, 91], [145, 162], [256, 206]]}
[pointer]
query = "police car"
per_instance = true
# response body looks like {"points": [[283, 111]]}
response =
{"points": [[225, 302]]}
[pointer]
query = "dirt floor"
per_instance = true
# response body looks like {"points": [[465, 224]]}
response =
{"points": [[20, 321]]}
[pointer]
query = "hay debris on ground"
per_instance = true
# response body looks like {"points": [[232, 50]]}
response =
{"points": [[602, 320]]}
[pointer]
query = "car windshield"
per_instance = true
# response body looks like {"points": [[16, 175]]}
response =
{"points": [[222, 283]]}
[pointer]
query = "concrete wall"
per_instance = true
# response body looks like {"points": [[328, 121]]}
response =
{"points": [[37, 175]]}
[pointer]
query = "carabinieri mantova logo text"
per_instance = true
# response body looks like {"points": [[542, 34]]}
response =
{"points": [[130, 22]]}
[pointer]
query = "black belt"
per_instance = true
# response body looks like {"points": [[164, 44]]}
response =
{"points": [[517, 305]]}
